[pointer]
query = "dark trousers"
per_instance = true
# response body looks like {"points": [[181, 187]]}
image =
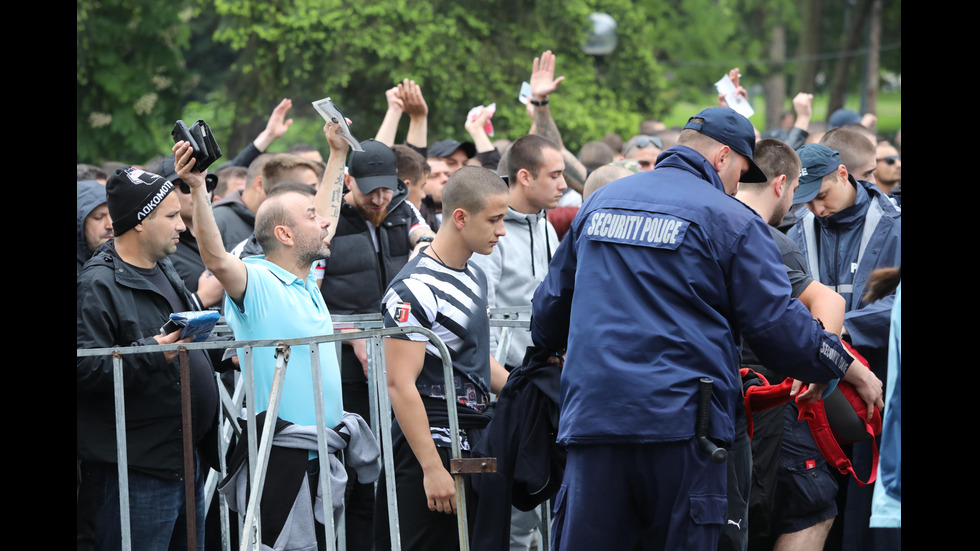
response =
{"points": [[156, 508], [663, 496], [421, 529], [359, 498]]}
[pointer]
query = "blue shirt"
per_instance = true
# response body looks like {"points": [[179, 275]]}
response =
{"points": [[279, 305]]}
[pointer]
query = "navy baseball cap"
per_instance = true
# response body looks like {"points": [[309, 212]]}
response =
{"points": [[843, 117], [817, 161], [375, 167], [732, 129], [445, 148]]}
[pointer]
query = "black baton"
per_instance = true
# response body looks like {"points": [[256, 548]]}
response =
{"points": [[718, 455]]}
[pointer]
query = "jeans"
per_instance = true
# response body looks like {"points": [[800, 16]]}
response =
{"points": [[157, 519]]}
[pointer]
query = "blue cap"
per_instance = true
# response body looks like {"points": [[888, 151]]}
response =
{"points": [[732, 129], [817, 161], [843, 117]]}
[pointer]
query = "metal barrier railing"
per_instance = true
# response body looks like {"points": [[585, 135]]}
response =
{"points": [[368, 327]]}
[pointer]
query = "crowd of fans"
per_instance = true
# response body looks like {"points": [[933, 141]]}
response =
{"points": [[279, 242]]}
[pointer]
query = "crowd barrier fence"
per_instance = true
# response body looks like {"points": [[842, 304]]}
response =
{"points": [[232, 403]]}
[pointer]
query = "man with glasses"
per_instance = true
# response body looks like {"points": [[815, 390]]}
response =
{"points": [[888, 170], [645, 150]]}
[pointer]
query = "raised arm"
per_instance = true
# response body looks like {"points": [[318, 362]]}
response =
{"points": [[277, 126], [418, 113], [228, 268], [543, 83], [331, 192], [477, 131], [389, 126], [803, 105]]}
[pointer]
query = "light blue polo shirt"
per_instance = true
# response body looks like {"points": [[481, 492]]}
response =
{"points": [[278, 305]]}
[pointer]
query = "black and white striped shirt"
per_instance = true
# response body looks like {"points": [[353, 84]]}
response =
{"points": [[452, 303]]}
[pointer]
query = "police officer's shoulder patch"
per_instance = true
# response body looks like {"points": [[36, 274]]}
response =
{"points": [[647, 229]]}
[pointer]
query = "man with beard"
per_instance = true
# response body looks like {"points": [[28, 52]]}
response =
{"points": [[275, 295], [376, 234], [94, 222]]}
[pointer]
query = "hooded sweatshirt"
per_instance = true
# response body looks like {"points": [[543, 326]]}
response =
{"points": [[515, 267], [90, 195]]}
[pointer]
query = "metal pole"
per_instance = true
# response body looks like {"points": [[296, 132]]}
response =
{"points": [[190, 503], [321, 442], [122, 460], [252, 533], [384, 406]]}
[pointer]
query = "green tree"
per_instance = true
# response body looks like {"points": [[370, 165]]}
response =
{"points": [[129, 73], [461, 53]]}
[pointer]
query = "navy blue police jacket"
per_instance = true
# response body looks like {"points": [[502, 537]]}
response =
{"points": [[658, 276]]}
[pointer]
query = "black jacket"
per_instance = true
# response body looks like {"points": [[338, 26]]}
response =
{"points": [[116, 306], [522, 437], [356, 277]]}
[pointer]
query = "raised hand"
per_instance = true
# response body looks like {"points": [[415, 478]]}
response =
{"points": [[543, 81]]}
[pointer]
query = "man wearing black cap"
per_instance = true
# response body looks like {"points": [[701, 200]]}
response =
{"points": [[125, 294], [454, 153], [377, 231], [676, 270], [445, 157]]}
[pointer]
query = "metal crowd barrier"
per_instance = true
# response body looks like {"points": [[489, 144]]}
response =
{"points": [[365, 326]]}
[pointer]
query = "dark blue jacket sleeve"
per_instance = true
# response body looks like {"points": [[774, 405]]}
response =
{"points": [[552, 301], [868, 329], [779, 328]]}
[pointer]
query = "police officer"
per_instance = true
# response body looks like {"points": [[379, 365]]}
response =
{"points": [[671, 270]]}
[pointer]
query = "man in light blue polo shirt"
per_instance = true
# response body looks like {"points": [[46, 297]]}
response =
{"points": [[275, 296], [278, 304]]}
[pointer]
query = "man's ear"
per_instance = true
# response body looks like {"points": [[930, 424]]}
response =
{"points": [[721, 157], [842, 172], [460, 218], [523, 176], [284, 234], [779, 184]]}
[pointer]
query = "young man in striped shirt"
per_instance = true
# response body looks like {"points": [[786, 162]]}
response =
{"points": [[441, 291]]}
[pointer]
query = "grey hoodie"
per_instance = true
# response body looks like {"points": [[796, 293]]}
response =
{"points": [[90, 195], [515, 267]]}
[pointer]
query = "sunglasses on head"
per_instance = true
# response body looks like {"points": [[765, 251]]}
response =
{"points": [[644, 141], [891, 159]]}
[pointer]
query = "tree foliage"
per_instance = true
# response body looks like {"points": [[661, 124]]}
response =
{"points": [[141, 64], [130, 76]]}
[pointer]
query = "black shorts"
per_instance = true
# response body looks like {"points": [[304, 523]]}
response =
{"points": [[806, 487]]}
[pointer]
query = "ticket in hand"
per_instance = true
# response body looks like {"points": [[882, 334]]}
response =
{"points": [[330, 113]]}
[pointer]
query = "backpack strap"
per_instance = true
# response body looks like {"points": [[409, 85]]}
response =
{"points": [[828, 441], [816, 418], [760, 395]]}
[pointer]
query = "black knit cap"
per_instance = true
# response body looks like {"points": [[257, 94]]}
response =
{"points": [[132, 194]]}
